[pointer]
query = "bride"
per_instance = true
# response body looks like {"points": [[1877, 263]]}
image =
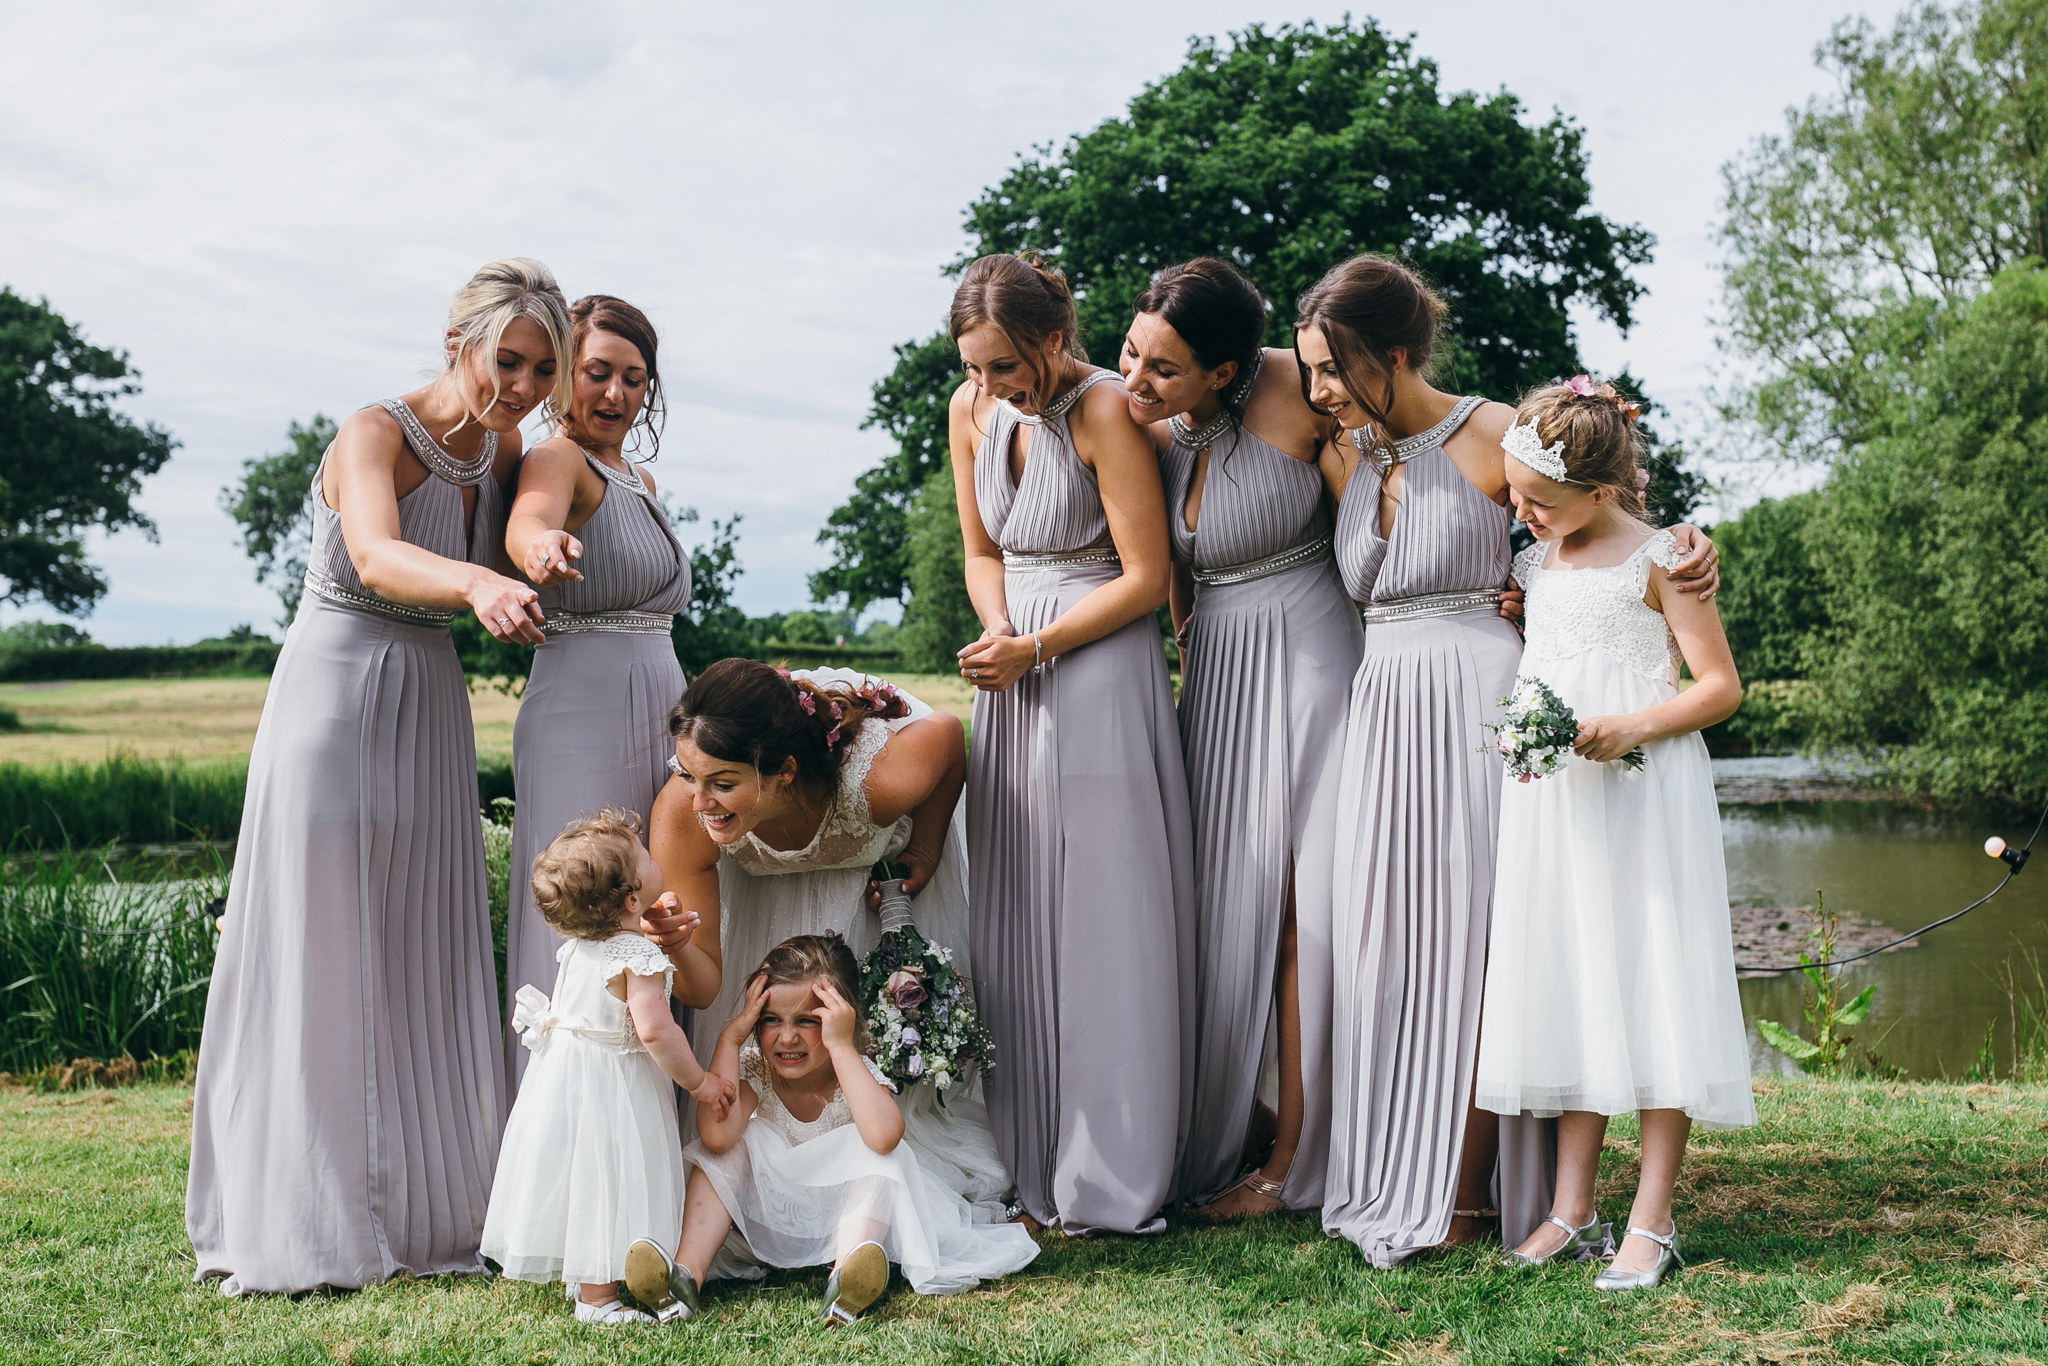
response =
{"points": [[786, 789]]}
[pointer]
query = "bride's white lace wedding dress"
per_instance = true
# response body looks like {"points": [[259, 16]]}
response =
{"points": [[767, 895]]}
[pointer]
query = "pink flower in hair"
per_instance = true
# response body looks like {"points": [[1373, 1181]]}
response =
{"points": [[783, 674], [808, 703], [838, 712], [831, 738], [1642, 481], [1582, 385]]}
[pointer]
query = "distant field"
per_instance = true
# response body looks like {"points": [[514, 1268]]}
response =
{"points": [[213, 718]]}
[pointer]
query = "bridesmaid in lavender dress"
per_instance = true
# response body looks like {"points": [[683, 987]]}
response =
{"points": [[1422, 540], [1079, 861], [1269, 642], [350, 1091], [587, 531]]}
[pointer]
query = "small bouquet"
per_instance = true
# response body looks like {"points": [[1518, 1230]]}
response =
{"points": [[1536, 730], [921, 1018]]}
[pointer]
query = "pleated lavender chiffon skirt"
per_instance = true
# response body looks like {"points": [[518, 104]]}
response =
{"points": [[1264, 693], [349, 1099], [1081, 874], [1415, 834], [592, 732]]}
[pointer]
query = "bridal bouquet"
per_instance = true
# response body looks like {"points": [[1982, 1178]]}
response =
{"points": [[1536, 730], [920, 1011]]}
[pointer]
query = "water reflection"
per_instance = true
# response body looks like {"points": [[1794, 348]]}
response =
{"points": [[1901, 867]]}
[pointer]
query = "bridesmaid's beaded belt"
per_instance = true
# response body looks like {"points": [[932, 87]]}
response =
{"points": [[618, 623], [1432, 605], [1059, 559], [1317, 549], [329, 589]]}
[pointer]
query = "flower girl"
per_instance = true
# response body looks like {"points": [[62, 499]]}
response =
{"points": [[808, 1166], [1610, 980], [592, 1157]]}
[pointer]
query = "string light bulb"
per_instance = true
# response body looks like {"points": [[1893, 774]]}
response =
{"points": [[2014, 859]]}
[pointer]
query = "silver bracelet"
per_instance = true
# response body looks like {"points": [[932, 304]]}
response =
{"points": [[1037, 651]]}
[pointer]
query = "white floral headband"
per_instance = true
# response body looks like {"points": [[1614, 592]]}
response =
{"points": [[1526, 444]]}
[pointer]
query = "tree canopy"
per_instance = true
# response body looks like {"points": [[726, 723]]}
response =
{"points": [[1285, 150], [68, 460], [1905, 192], [273, 504]]}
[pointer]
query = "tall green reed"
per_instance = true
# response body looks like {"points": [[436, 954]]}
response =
{"points": [[102, 961], [121, 799]]}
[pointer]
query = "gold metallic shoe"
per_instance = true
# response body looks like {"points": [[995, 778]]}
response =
{"points": [[1668, 1260], [857, 1283], [666, 1290], [1594, 1240]]}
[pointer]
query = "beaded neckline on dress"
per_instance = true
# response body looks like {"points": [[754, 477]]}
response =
{"points": [[627, 479], [430, 452], [1060, 406], [1195, 438], [1408, 447]]}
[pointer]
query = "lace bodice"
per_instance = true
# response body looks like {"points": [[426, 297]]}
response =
{"points": [[582, 1005], [848, 836], [772, 1112], [1571, 611]]}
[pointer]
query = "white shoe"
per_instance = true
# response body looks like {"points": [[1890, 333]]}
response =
{"points": [[609, 1315]]}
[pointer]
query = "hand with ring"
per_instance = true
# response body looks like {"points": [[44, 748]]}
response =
{"points": [[547, 561], [509, 610]]}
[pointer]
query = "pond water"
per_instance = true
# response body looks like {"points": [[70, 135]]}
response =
{"points": [[1898, 866]]}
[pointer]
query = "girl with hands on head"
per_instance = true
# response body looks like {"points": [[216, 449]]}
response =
{"points": [[809, 1166]]}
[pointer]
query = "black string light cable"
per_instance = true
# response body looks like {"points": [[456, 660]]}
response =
{"points": [[1996, 847]]}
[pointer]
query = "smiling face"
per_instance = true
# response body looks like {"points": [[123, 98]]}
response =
{"points": [[1001, 370], [521, 370], [790, 1034], [730, 798], [1326, 388], [1162, 376], [611, 388], [1549, 509]]}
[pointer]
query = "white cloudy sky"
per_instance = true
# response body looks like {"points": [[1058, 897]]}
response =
{"points": [[269, 204]]}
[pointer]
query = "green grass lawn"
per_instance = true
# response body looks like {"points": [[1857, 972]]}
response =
{"points": [[1858, 1222]]}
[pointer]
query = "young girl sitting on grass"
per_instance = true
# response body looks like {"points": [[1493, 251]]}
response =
{"points": [[592, 1157], [808, 1166], [1610, 982]]}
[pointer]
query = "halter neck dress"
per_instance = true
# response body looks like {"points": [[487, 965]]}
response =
{"points": [[1081, 868], [1416, 825], [593, 722], [350, 1093], [1265, 678]]}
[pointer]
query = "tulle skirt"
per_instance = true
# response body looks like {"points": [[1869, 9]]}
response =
{"points": [[1610, 982], [592, 1159], [805, 1204]]}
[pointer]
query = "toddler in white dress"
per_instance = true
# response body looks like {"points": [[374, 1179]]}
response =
{"points": [[592, 1157], [809, 1166], [1610, 981]]}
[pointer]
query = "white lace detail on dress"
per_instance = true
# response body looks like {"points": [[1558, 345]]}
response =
{"points": [[629, 952], [848, 836], [772, 1112], [1571, 611]]}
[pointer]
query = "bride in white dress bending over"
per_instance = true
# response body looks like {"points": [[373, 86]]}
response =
{"points": [[787, 788]]}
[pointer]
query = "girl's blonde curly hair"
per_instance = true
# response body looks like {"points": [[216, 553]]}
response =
{"points": [[582, 879]]}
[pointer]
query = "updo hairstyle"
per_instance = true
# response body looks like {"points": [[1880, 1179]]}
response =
{"points": [[1366, 309], [516, 287], [1220, 315], [1030, 304], [744, 712], [808, 957], [605, 313], [1598, 428], [582, 879]]}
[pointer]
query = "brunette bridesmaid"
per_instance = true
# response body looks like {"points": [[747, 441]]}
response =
{"points": [[587, 531], [1422, 541], [1079, 862], [350, 1091], [1269, 642]]}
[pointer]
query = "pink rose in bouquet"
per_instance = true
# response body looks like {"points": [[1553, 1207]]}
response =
{"points": [[906, 988]]}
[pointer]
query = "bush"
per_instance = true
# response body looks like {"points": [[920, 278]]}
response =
{"points": [[1773, 602], [70, 662], [940, 617], [124, 799]]}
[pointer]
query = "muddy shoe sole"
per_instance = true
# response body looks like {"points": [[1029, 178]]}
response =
{"points": [[858, 1283]]}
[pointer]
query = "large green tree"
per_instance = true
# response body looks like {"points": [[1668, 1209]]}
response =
{"points": [[68, 460], [273, 504], [1286, 150], [1900, 194]]}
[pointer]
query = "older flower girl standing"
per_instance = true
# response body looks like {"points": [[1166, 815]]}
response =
{"points": [[1610, 979]]}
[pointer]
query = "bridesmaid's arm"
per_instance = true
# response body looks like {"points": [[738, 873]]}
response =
{"points": [[984, 556], [919, 773], [362, 467], [551, 502], [689, 869], [1127, 474]]}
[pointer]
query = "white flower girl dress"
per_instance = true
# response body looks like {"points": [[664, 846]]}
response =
{"points": [[592, 1157], [801, 1193], [1610, 979]]}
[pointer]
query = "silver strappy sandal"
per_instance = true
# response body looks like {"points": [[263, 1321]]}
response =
{"points": [[1668, 1260], [1594, 1240]]}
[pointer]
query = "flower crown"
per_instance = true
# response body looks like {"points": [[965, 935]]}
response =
{"points": [[1525, 444]]}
